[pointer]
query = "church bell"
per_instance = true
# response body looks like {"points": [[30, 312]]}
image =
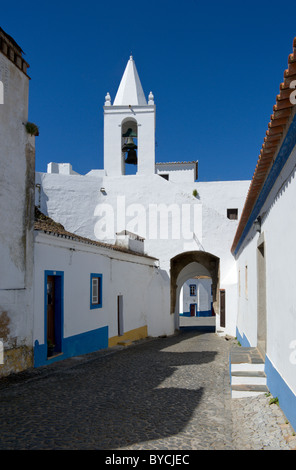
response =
{"points": [[130, 147], [131, 157]]}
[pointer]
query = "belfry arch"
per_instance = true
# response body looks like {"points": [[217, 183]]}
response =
{"points": [[187, 265], [129, 143]]}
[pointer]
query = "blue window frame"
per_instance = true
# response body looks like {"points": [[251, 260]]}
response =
{"points": [[192, 289], [96, 290]]}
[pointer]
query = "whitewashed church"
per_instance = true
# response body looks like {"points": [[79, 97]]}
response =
{"points": [[188, 226], [123, 252]]}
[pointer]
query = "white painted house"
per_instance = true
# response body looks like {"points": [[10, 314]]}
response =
{"points": [[188, 226], [264, 247], [90, 296]]}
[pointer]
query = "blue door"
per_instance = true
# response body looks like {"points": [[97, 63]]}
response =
{"points": [[54, 312], [192, 310]]}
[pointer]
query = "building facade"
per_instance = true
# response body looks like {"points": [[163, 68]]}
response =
{"points": [[196, 297], [85, 297], [17, 173], [265, 251], [186, 224]]}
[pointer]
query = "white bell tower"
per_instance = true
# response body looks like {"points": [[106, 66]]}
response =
{"points": [[129, 127]]}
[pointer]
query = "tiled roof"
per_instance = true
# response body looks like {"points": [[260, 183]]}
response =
{"points": [[47, 225], [277, 129], [176, 163]]}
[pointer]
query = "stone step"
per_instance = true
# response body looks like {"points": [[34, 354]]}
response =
{"points": [[247, 373], [245, 390], [242, 354], [251, 377], [245, 367]]}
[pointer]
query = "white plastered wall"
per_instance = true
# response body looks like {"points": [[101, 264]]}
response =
{"points": [[17, 164], [78, 203], [278, 231], [132, 276]]}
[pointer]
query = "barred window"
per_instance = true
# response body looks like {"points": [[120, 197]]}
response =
{"points": [[95, 290]]}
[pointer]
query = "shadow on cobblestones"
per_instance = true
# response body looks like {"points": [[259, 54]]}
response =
{"points": [[142, 394]]}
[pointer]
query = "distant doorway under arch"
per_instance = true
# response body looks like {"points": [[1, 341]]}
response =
{"points": [[196, 297], [188, 265]]}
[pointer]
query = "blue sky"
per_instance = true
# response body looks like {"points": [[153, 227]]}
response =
{"points": [[214, 68]]}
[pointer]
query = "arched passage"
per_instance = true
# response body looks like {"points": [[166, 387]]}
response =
{"points": [[188, 265]]}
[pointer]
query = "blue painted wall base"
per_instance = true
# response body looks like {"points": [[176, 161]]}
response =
{"points": [[279, 388], [276, 385], [207, 313], [77, 345], [243, 340]]}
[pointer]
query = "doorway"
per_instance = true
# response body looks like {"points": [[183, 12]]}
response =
{"points": [[192, 310], [120, 315], [261, 296], [53, 312], [222, 308]]}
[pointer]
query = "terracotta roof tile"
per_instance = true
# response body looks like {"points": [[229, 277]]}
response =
{"points": [[277, 128], [45, 224]]}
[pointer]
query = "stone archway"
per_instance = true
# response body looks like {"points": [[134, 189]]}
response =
{"points": [[187, 265]]}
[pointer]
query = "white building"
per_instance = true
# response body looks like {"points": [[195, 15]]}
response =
{"points": [[187, 225], [17, 170], [264, 247], [196, 297], [90, 296], [60, 294]]}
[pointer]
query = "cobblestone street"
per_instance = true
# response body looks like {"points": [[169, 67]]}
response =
{"points": [[165, 394]]}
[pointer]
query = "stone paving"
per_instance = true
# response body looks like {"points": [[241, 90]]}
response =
{"points": [[158, 394]]}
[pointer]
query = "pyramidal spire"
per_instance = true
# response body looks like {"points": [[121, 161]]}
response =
{"points": [[130, 91]]}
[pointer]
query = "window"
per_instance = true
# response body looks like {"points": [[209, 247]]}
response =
{"points": [[192, 288], [232, 214], [95, 290]]}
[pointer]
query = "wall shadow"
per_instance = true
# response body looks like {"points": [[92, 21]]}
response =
{"points": [[108, 402]]}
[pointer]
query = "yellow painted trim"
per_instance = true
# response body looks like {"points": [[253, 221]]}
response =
{"points": [[131, 335]]}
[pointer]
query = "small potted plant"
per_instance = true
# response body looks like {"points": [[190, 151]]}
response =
{"points": [[32, 128], [50, 348]]}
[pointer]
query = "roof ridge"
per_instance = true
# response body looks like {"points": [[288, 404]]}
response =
{"points": [[277, 128], [43, 223]]}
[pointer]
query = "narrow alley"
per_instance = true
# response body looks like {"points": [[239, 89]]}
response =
{"points": [[170, 393]]}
